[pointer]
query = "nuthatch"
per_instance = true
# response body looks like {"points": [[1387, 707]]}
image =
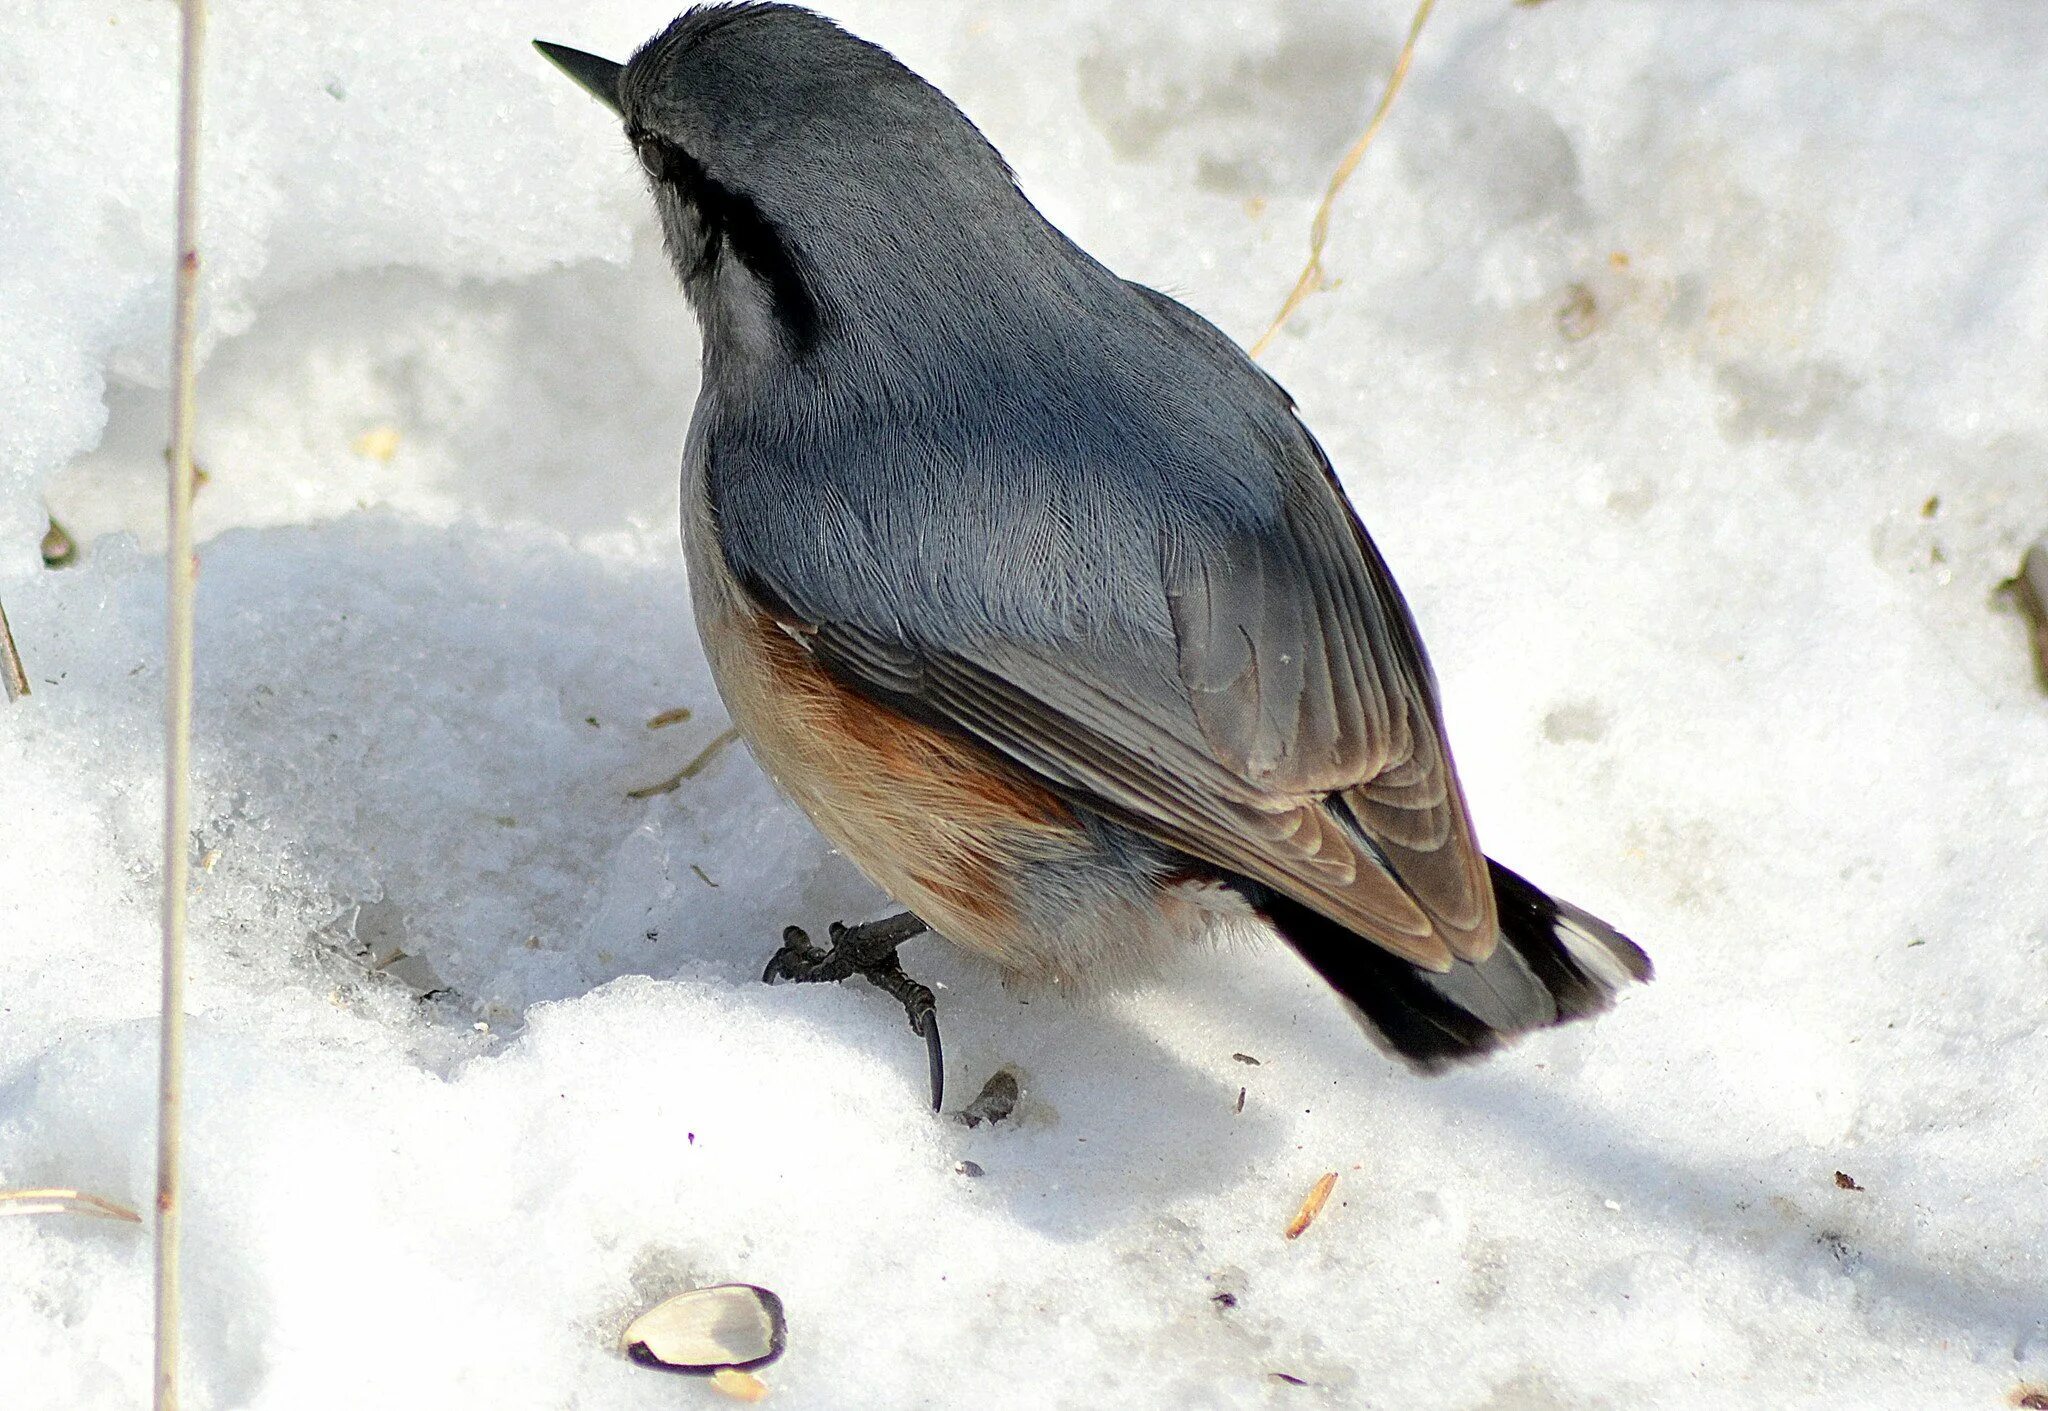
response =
{"points": [[1031, 589]]}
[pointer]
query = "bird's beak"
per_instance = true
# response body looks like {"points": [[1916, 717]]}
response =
{"points": [[598, 77]]}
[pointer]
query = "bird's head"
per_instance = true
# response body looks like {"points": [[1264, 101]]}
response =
{"points": [[808, 184]]}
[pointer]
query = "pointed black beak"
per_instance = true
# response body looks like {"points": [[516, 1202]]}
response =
{"points": [[598, 77]]}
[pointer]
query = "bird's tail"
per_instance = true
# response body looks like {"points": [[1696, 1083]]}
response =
{"points": [[1554, 963]]}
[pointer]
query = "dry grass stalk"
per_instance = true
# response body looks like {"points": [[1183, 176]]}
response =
{"points": [[1319, 232], [63, 1200], [178, 716], [11, 670]]}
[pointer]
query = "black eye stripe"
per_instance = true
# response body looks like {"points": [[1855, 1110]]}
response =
{"points": [[733, 223]]}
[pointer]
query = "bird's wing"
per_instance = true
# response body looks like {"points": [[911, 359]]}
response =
{"points": [[1284, 727]]}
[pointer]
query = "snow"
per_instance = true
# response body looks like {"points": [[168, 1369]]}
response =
{"points": [[1688, 362]]}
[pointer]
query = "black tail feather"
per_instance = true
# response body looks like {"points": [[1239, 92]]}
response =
{"points": [[1555, 964]]}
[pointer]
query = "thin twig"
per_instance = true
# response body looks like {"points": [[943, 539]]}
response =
{"points": [[11, 671], [1312, 273], [178, 718]]}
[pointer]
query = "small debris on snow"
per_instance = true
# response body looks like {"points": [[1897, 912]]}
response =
{"points": [[1579, 315], [688, 771], [58, 548], [2030, 590], [996, 1100], [740, 1386], [1318, 1196], [379, 443], [722, 1327]]}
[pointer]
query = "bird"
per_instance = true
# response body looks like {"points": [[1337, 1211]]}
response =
{"points": [[1032, 589]]}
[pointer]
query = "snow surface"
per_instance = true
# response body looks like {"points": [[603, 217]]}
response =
{"points": [[1690, 362]]}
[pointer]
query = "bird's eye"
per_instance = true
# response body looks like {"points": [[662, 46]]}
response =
{"points": [[650, 155]]}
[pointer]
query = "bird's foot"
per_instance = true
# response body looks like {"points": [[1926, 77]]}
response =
{"points": [[869, 951]]}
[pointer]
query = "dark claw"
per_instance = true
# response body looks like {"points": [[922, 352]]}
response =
{"points": [[868, 951], [797, 959], [936, 1057]]}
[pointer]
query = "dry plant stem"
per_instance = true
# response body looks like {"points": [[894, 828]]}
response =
{"points": [[1312, 273], [10, 662], [177, 718]]}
